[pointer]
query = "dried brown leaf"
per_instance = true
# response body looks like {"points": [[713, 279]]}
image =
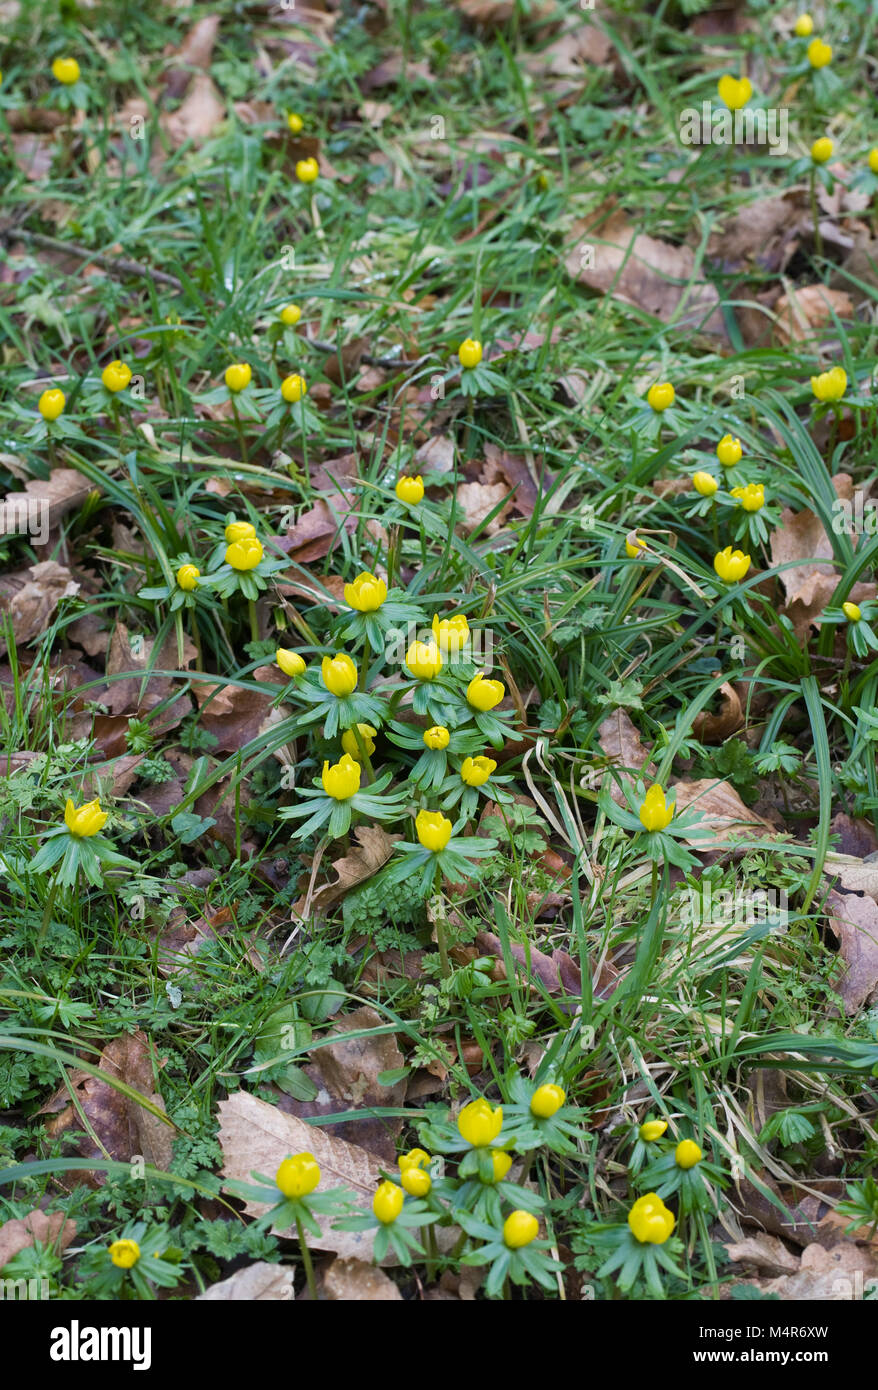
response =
{"points": [[21, 1232], [854, 921], [354, 1281], [256, 1283], [724, 815]]}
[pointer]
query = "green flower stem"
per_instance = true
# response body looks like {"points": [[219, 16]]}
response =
{"points": [[432, 1254], [445, 964], [240, 429], [364, 756], [47, 911], [254, 620], [818, 240], [178, 624], [364, 665], [306, 1260]]}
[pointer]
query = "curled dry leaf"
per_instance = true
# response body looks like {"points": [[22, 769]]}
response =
{"points": [[854, 921], [199, 115], [38, 509], [621, 744], [21, 1232], [476, 501], [854, 875], [372, 851], [802, 312], [354, 1281], [824, 1275], [764, 1253], [30, 597], [256, 1283], [724, 815], [715, 728]]}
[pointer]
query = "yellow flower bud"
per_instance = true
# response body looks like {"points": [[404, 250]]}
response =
{"points": [[655, 813], [433, 830], [65, 71], [821, 150], [416, 1182], [387, 1202], [116, 376], [819, 53], [751, 497], [734, 92], [290, 315], [501, 1162], [415, 1158], [452, 634], [852, 612], [339, 675], [650, 1220], [410, 490], [187, 577], [124, 1253], [341, 781], [729, 451], [298, 1175], [424, 660], [293, 388], [731, 565], [483, 694], [85, 821], [873, 159], [546, 1100], [366, 594], [479, 1123], [704, 483], [476, 771], [831, 385], [289, 662], [239, 376], [470, 353], [295, 123], [437, 738], [240, 531], [520, 1228], [307, 170], [349, 740], [634, 547], [51, 403], [660, 396], [245, 554], [803, 27], [687, 1154], [651, 1130]]}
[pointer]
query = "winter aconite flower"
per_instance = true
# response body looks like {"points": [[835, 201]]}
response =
{"points": [[803, 27], [65, 71], [452, 634], [476, 771], [731, 565], [873, 159], [289, 662], [295, 124], [687, 1154], [424, 660], [831, 385], [546, 1100], [655, 813], [410, 490], [436, 738], [299, 1175], [483, 694], [734, 92], [341, 780], [520, 1228], [501, 1162], [416, 1181], [367, 736], [651, 1222], [751, 497], [51, 403], [634, 547], [387, 1202], [187, 577], [651, 1130], [433, 830], [290, 315], [124, 1253], [819, 53], [293, 388], [821, 150], [660, 396], [729, 451], [245, 554], [852, 612], [704, 483], [339, 675], [479, 1123], [366, 594], [85, 821], [238, 376], [307, 170], [239, 531], [470, 353], [116, 376]]}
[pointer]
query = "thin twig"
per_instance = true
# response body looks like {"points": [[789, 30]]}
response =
{"points": [[114, 264]]}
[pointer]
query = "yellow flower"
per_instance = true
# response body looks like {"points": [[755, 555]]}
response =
{"points": [[124, 1253], [831, 385], [803, 27], [634, 547], [479, 1123], [116, 376], [546, 1100], [65, 71], [651, 1130], [349, 741], [704, 483], [410, 490], [501, 1162], [819, 53], [424, 660], [341, 781], [452, 634], [366, 594], [293, 388], [187, 577], [239, 376], [416, 1182], [290, 315], [51, 403], [687, 1154], [470, 352], [245, 554], [660, 396], [298, 1175], [307, 170], [289, 662], [821, 150], [85, 821], [483, 694], [734, 92], [240, 531], [655, 813], [433, 830], [650, 1220], [729, 451], [851, 612], [387, 1202], [731, 565], [339, 675], [415, 1158], [873, 159], [476, 771], [437, 738], [751, 497], [295, 123], [519, 1228]]}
